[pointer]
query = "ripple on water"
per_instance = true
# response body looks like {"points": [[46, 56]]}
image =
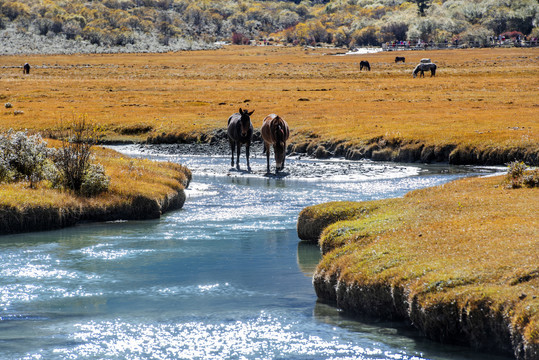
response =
{"points": [[108, 252], [262, 337]]}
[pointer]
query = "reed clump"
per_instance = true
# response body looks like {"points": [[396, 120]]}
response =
{"points": [[459, 261]]}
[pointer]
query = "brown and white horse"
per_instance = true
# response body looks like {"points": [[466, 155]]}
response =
{"points": [[275, 132]]}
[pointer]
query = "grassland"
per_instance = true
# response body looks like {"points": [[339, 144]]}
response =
{"points": [[139, 189], [482, 107], [459, 261]]}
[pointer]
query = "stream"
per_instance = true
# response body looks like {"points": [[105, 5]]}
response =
{"points": [[226, 277]]}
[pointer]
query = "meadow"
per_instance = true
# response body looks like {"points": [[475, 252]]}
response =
{"points": [[481, 99]]}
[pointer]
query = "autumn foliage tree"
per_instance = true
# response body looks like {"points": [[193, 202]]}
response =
{"points": [[340, 22]]}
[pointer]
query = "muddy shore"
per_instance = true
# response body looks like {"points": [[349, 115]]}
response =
{"points": [[378, 149]]}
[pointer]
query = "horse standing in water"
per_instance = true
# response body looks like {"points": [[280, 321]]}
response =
{"points": [[240, 131], [275, 132], [422, 67]]}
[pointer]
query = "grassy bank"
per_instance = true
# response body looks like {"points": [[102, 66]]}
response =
{"points": [[139, 189], [459, 261], [481, 107]]}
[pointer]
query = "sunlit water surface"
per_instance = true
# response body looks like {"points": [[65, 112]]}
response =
{"points": [[224, 278]]}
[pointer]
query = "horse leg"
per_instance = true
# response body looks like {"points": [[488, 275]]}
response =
{"points": [[247, 146], [232, 148], [238, 150], [267, 149]]}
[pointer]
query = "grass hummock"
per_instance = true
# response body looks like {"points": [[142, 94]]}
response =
{"points": [[139, 189], [459, 261]]}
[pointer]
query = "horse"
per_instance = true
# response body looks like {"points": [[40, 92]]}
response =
{"points": [[422, 67], [275, 132], [240, 131], [400, 58], [364, 64], [26, 69]]}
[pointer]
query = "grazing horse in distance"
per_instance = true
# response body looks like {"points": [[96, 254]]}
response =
{"points": [[240, 131], [275, 132], [364, 64], [26, 69], [422, 67], [400, 58]]}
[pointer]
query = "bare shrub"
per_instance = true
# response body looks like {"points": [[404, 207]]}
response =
{"points": [[74, 156]]}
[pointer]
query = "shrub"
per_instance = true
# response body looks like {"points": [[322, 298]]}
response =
{"points": [[27, 157], [517, 176], [531, 178], [73, 157], [94, 181], [22, 156], [6, 173]]}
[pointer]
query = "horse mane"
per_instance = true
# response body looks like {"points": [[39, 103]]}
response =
{"points": [[278, 129]]}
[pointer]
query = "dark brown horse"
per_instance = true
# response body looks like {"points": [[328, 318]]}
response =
{"points": [[240, 131], [400, 58], [26, 69], [275, 132], [422, 67], [364, 64]]}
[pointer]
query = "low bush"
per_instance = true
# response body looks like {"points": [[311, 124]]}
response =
{"points": [[23, 157], [94, 181], [518, 176], [26, 157]]}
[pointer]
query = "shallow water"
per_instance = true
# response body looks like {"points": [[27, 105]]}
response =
{"points": [[224, 278]]}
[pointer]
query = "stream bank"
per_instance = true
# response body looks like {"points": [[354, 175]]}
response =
{"points": [[376, 149], [437, 258]]}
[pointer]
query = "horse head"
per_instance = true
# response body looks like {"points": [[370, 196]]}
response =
{"points": [[280, 148], [416, 70], [280, 134], [245, 121]]}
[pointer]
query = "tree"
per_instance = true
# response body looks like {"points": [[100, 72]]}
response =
{"points": [[422, 5]]}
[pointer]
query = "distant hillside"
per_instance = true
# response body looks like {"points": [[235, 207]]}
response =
{"points": [[162, 25]]}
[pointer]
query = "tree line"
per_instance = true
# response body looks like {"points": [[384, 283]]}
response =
{"points": [[346, 23]]}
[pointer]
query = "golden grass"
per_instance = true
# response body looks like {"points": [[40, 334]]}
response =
{"points": [[480, 97], [131, 181], [471, 243]]}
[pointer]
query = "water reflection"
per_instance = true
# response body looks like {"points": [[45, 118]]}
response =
{"points": [[396, 334], [308, 257]]}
